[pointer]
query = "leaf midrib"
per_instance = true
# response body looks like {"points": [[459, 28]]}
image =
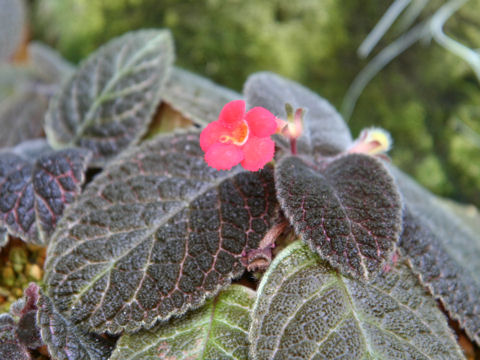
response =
{"points": [[100, 98]]}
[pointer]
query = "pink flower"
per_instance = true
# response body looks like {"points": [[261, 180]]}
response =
{"points": [[239, 137]]}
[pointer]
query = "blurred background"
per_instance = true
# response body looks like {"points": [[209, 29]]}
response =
{"points": [[409, 66]]}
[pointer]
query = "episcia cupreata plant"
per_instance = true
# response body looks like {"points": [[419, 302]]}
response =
{"points": [[143, 248]]}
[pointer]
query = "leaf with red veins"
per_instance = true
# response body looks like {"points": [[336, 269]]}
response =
{"points": [[258, 152], [223, 156], [261, 122], [232, 114], [172, 232], [350, 213], [17, 212], [57, 180], [34, 189]]}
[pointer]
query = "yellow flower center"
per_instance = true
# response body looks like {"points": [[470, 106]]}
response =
{"points": [[238, 136]]}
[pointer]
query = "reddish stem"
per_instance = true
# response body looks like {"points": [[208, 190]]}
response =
{"points": [[293, 145]]}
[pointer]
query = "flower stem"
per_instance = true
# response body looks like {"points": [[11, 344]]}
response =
{"points": [[293, 145]]}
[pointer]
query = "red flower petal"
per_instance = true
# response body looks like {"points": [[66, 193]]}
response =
{"points": [[211, 134], [262, 123], [223, 156], [258, 152], [232, 114]]}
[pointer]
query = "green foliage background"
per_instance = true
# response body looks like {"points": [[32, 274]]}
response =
{"points": [[427, 98]]}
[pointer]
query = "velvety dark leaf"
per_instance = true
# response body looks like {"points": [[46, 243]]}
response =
{"points": [[17, 211], [218, 330], [57, 180], [25, 309], [48, 63], [12, 21], [10, 347], [35, 191], [444, 252], [110, 100], [350, 213], [65, 340], [305, 309], [21, 118], [325, 131], [16, 337], [196, 97], [172, 231]]}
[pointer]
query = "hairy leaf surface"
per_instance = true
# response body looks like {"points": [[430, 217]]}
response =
{"points": [[35, 191], [18, 329], [305, 309], [196, 97], [325, 131], [172, 231], [57, 179], [64, 339], [109, 101], [444, 252], [17, 211], [10, 346], [350, 212], [218, 330]]}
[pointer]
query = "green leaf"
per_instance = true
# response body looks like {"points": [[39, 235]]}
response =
{"points": [[218, 330], [305, 309], [350, 212], [64, 339], [172, 232], [444, 251], [109, 101], [196, 97], [12, 22], [325, 132]]}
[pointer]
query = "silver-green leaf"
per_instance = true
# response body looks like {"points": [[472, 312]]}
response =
{"points": [[444, 251], [305, 309], [218, 330], [197, 98], [109, 101]]}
